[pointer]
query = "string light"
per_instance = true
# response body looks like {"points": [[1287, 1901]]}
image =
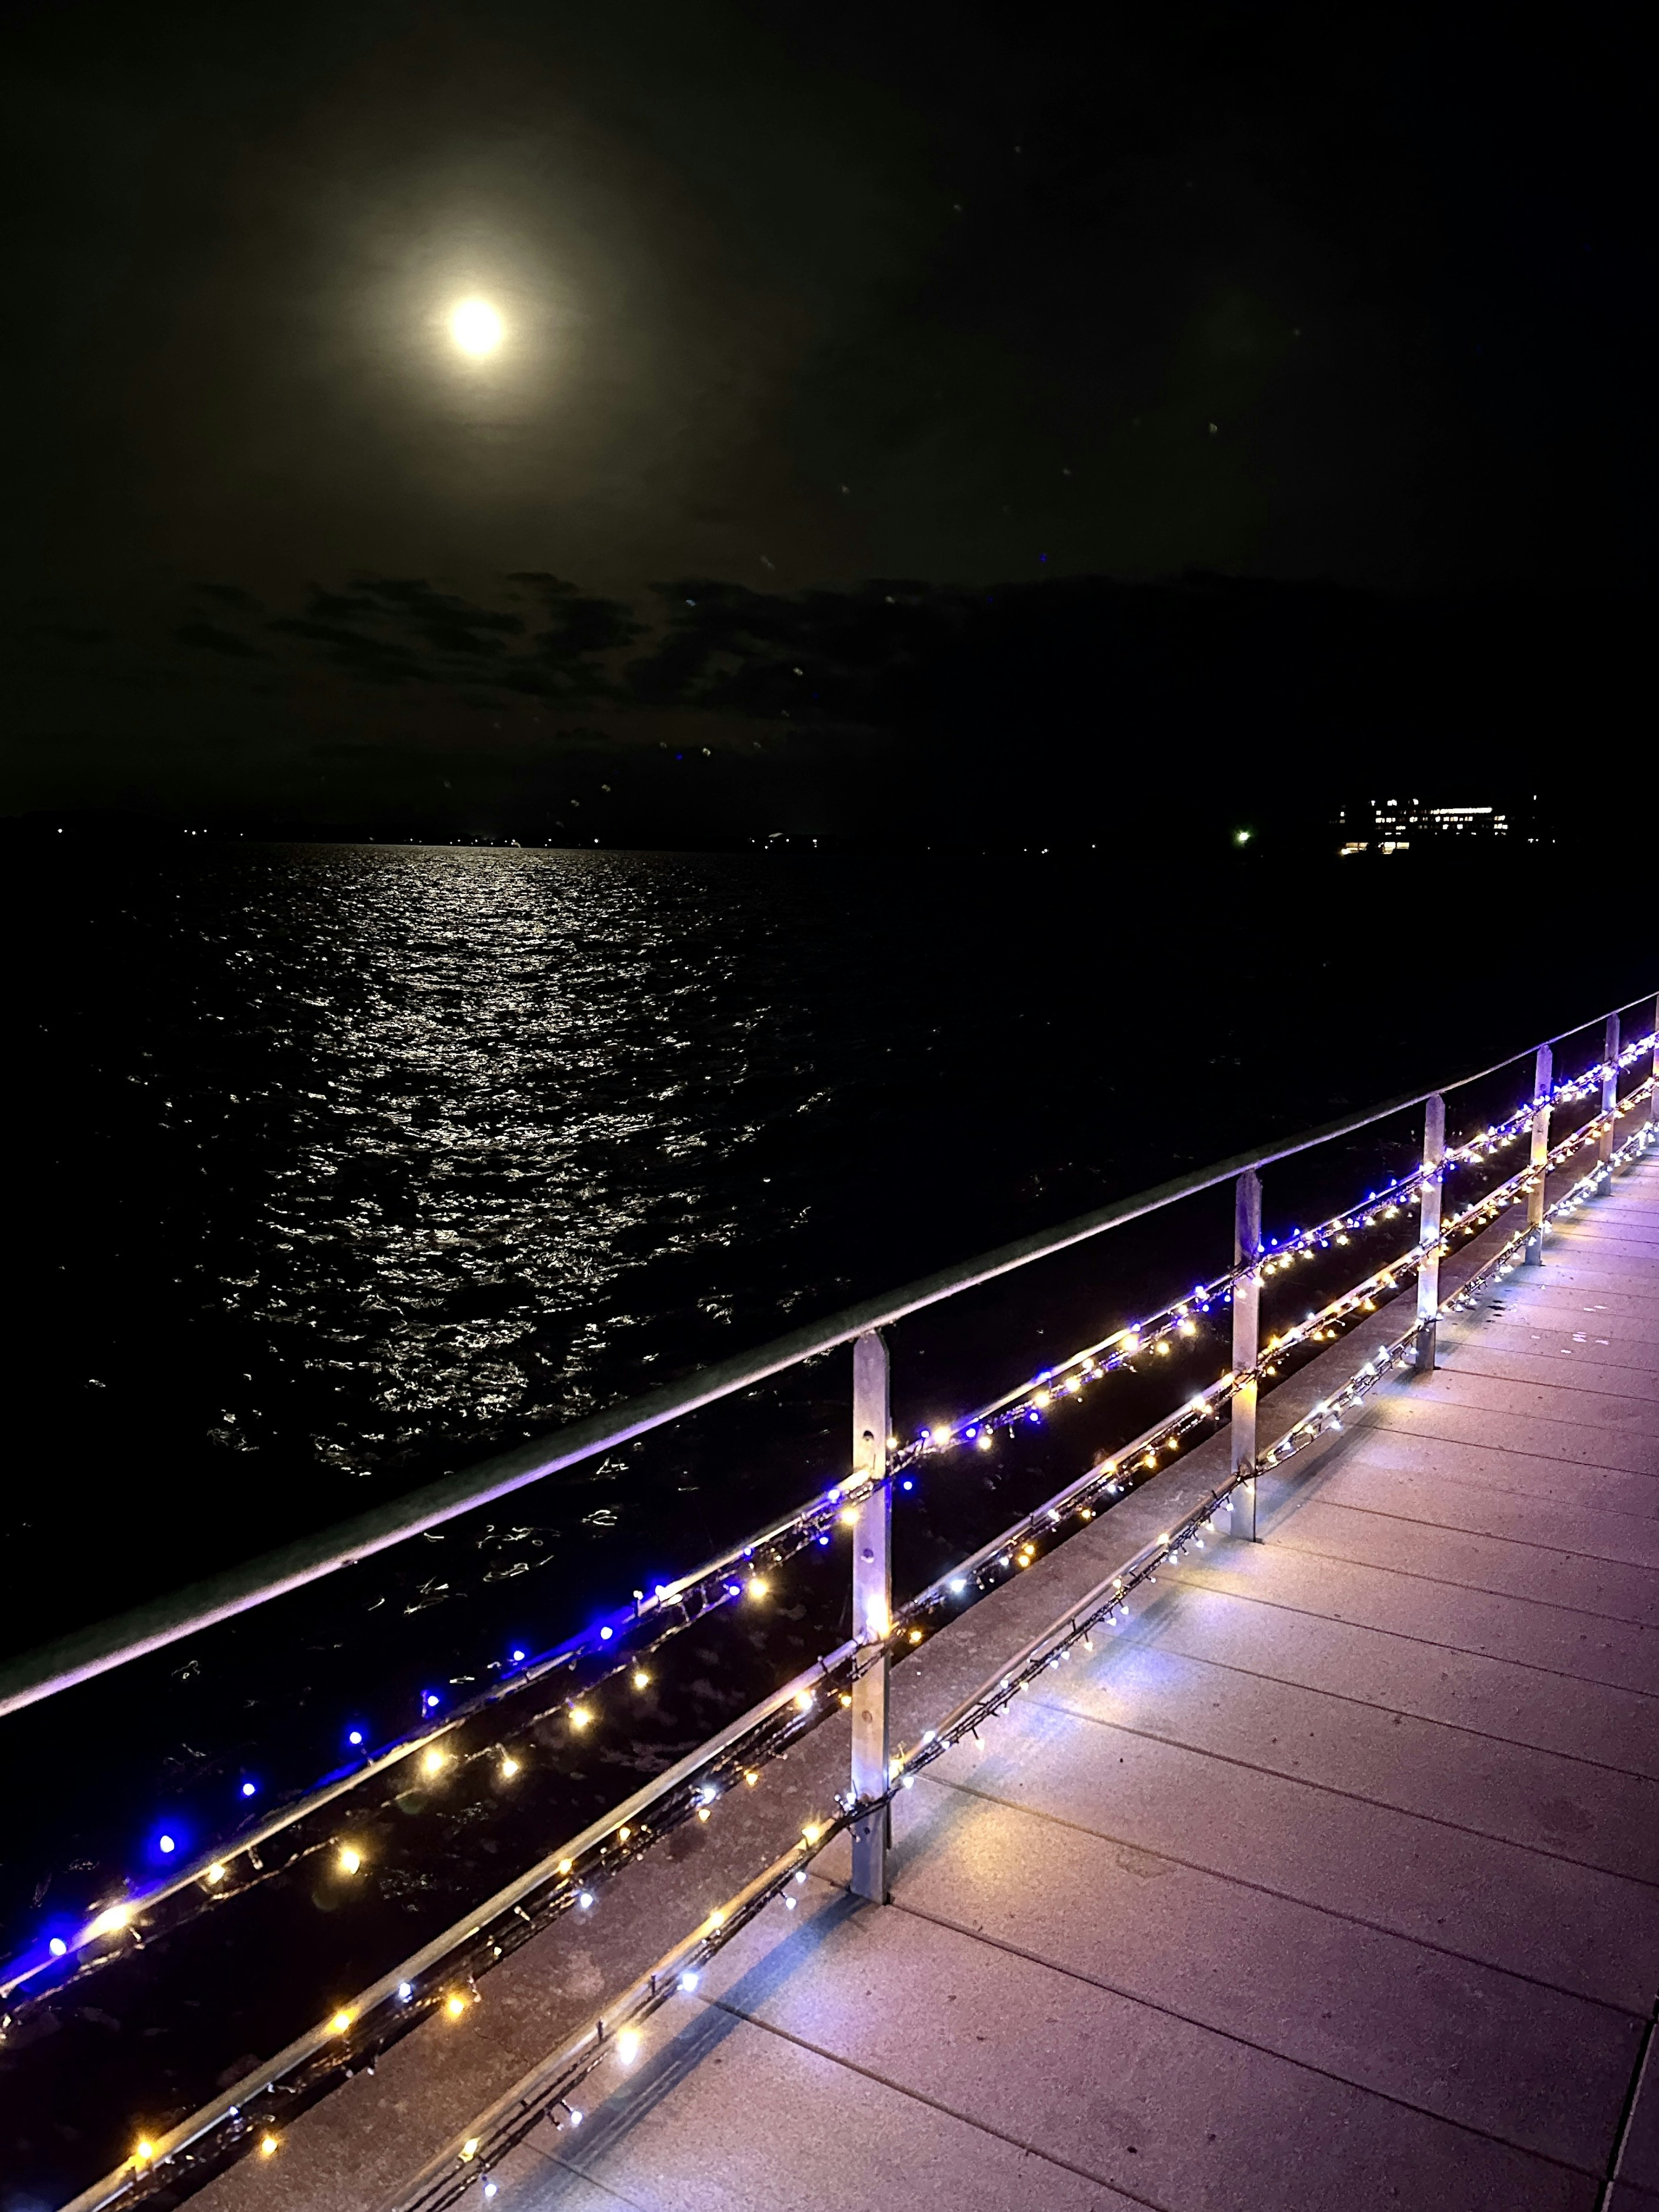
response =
{"points": [[1171, 1544]]}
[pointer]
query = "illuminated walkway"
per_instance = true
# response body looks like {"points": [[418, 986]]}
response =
{"points": [[1335, 1885]]}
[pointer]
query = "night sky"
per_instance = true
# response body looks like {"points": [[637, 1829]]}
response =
{"points": [[793, 298]]}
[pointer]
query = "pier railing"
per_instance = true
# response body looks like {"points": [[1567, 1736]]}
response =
{"points": [[858, 1506]]}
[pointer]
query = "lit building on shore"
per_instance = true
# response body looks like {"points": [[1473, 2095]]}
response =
{"points": [[1404, 825]]}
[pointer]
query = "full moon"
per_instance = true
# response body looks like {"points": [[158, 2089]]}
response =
{"points": [[476, 327]]}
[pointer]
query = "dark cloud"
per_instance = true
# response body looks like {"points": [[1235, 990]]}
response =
{"points": [[212, 639], [230, 595]]}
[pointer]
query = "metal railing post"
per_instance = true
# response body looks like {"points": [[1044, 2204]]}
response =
{"points": [[1609, 1102], [1247, 1304], [1543, 1074], [872, 1612], [1428, 1234], [1653, 1095]]}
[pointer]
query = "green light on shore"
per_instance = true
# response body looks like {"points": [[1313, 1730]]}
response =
{"points": [[1242, 836]]}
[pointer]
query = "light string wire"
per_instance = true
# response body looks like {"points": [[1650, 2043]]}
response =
{"points": [[1111, 1478], [238, 1864], [467, 2164], [1106, 1605]]}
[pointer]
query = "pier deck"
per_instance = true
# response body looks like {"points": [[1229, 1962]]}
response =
{"points": [[1333, 1882]]}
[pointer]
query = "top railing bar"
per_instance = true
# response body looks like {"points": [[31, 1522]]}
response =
{"points": [[89, 1652]]}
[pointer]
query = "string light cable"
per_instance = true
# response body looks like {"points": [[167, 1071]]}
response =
{"points": [[226, 1869], [544, 2096], [443, 1977]]}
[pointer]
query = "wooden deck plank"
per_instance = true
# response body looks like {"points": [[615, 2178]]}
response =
{"points": [[1484, 1902], [1580, 1647], [1518, 1400], [1338, 1735], [1424, 2026], [1606, 1490], [1551, 1368], [1636, 1452], [1536, 1572], [1568, 1331], [1436, 1498]]}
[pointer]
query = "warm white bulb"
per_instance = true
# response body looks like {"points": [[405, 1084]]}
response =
{"points": [[476, 327]]}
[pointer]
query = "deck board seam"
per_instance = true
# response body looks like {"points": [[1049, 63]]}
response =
{"points": [[1464, 1443], [1422, 1720], [1583, 1353], [1497, 1330], [1361, 1465], [1486, 1535], [1453, 1371], [1351, 1797], [951, 2111], [1406, 1635], [604, 2189], [1244, 2042], [1454, 1363], [1285, 1897], [1281, 1535], [1627, 2113]]}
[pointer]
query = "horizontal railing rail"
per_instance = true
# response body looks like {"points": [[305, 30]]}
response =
{"points": [[443, 1972], [87, 1653], [669, 1606]]}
